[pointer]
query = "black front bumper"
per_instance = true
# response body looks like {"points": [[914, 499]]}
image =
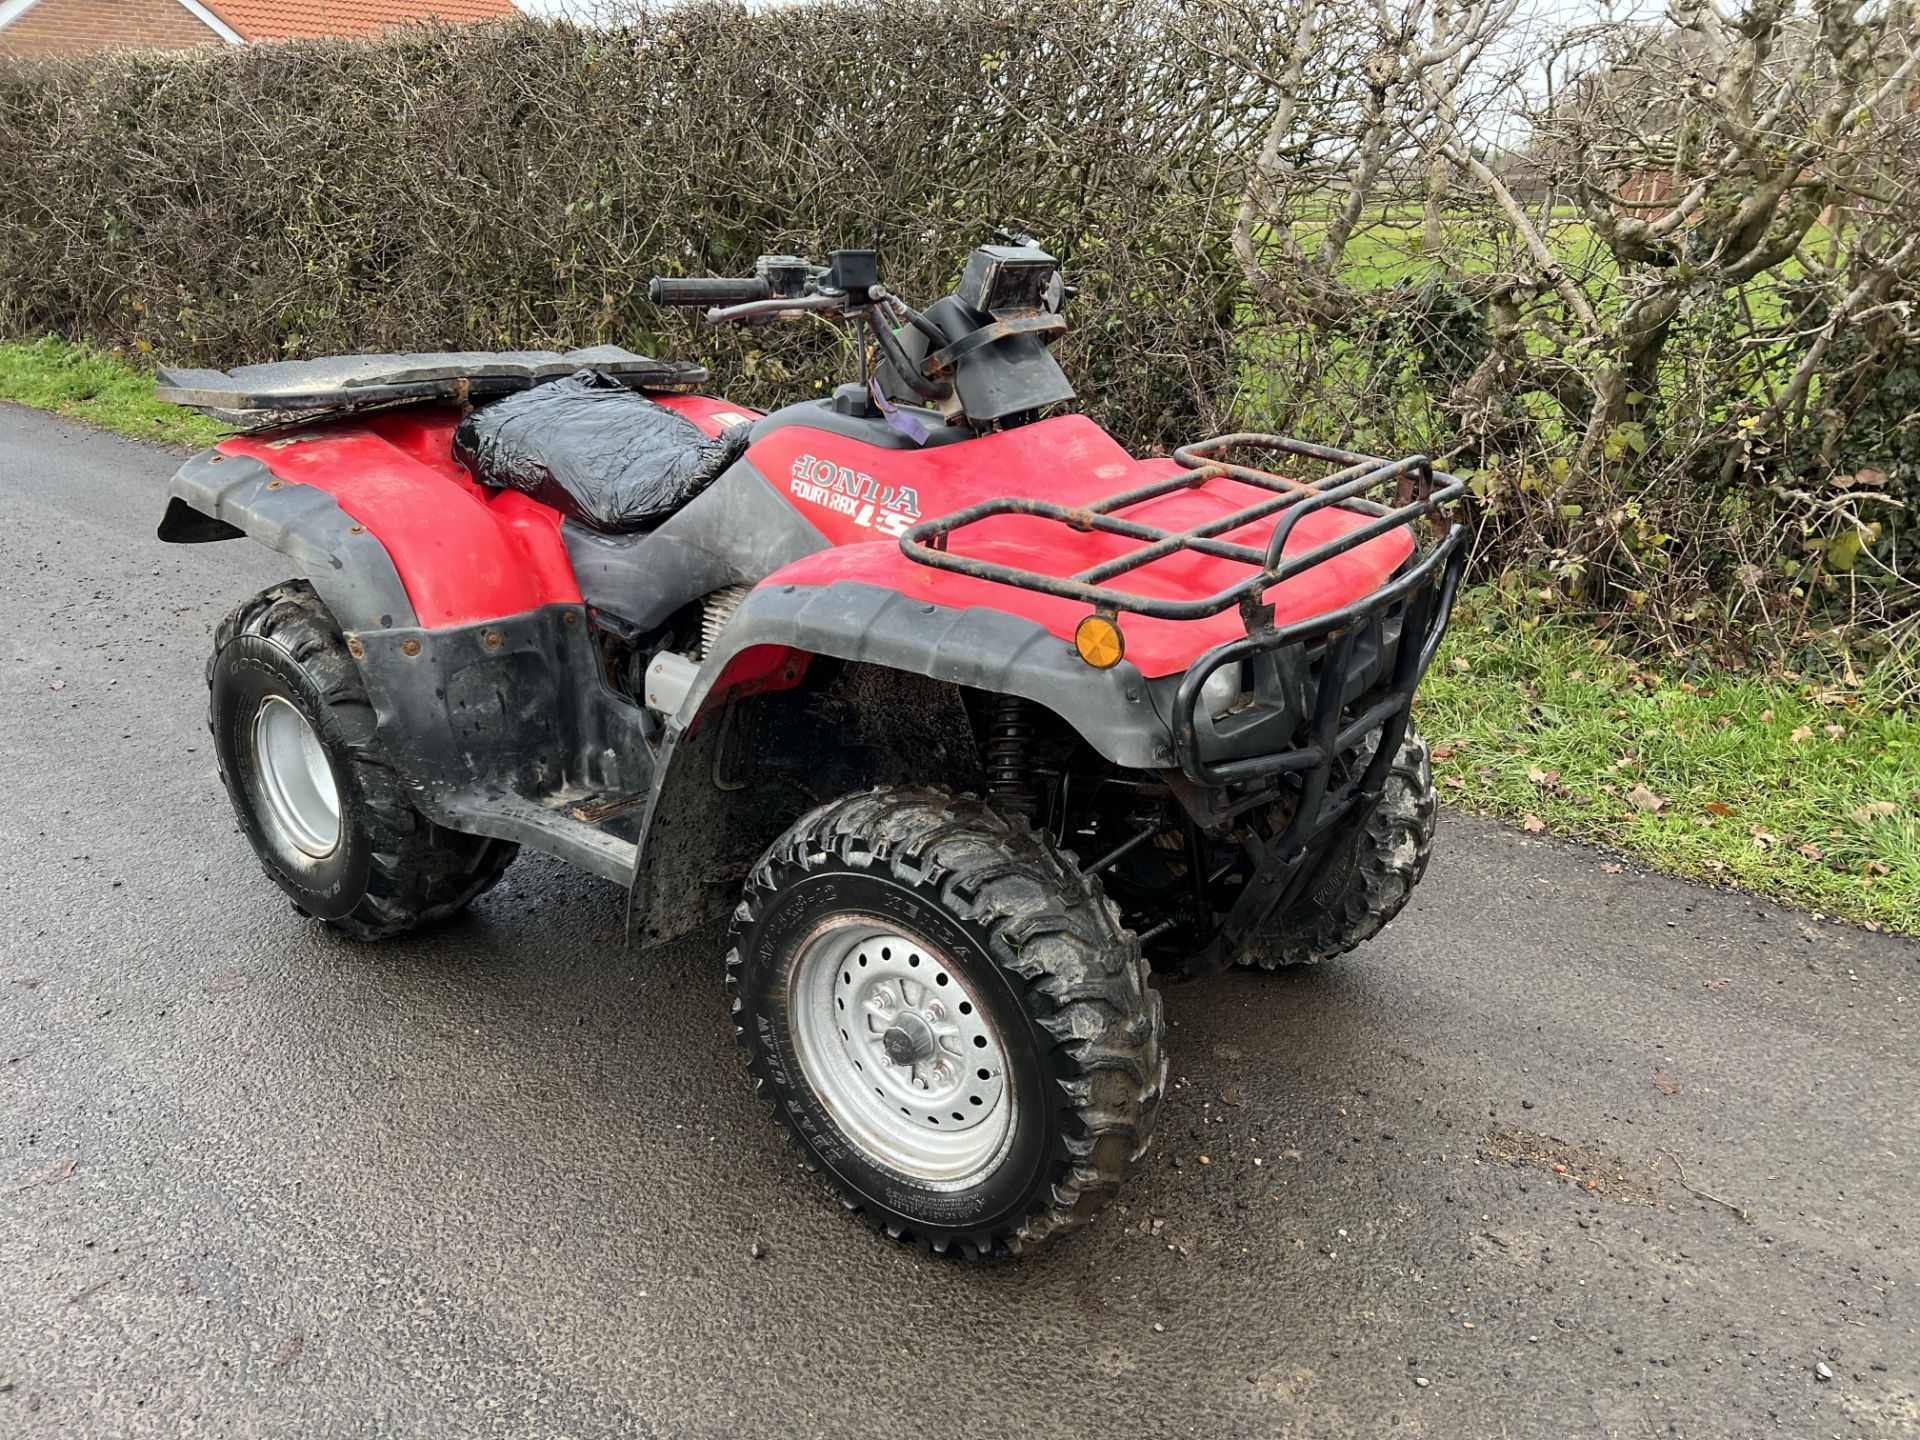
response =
{"points": [[1339, 678], [1307, 677]]}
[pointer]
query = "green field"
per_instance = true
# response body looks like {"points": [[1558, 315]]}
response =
{"points": [[1388, 248]]}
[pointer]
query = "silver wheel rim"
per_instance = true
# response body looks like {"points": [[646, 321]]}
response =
{"points": [[900, 1052], [297, 786]]}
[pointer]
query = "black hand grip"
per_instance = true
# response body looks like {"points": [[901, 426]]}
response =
{"points": [[662, 291]]}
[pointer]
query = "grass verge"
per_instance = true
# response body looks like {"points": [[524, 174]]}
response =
{"points": [[1788, 790], [1805, 795], [100, 388]]}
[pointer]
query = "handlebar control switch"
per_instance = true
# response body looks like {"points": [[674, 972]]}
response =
{"points": [[786, 275]]}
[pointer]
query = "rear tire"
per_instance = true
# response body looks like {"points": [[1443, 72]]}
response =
{"points": [[924, 950], [1371, 883], [293, 731]]}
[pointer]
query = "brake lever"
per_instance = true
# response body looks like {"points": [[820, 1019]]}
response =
{"points": [[779, 305]]}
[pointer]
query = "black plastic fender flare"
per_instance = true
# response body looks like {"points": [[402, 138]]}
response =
{"points": [[988, 650], [222, 497]]}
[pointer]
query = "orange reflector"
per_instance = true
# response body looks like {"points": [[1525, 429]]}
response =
{"points": [[1099, 642]]}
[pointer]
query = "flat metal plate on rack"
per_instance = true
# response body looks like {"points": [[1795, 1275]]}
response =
{"points": [[253, 396]]}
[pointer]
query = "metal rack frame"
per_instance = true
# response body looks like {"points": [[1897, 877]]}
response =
{"points": [[1420, 491]]}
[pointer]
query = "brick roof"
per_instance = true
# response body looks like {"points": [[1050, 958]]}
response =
{"points": [[307, 19]]}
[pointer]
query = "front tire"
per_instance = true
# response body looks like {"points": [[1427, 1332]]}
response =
{"points": [[1372, 881], [293, 731], [949, 1019]]}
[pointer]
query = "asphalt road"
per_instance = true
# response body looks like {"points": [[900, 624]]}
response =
{"points": [[507, 1179]]}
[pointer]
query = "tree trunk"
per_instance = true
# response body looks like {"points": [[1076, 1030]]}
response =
{"points": [[1433, 236]]}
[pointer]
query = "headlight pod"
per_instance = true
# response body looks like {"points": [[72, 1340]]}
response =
{"points": [[1223, 688]]}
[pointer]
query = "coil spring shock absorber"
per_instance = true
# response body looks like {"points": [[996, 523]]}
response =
{"points": [[1009, 737]]}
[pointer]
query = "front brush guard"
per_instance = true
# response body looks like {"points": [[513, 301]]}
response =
{"points": [[1420, 597], [1294, 860], [1423, 596]]}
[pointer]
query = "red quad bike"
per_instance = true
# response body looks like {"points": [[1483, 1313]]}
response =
{"points": [[965, 716]]}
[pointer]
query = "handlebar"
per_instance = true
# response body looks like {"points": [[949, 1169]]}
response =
{"points": [[787, 286], [702, 291], [1006, 305]]}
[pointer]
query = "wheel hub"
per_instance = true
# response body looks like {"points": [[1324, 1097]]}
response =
{"points": [[297, 790], [895, 1045], [908, 1041]]}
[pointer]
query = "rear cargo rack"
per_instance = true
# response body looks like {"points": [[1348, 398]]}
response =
{"points": [[1418, 491]]}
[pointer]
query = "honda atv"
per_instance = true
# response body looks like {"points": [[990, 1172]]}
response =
{"points": [[965, 717]]}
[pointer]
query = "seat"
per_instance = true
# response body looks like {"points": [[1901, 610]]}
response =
{"points": [[595, 451]]}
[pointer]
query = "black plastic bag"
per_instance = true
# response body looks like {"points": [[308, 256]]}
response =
{"points": [[595, 451]]}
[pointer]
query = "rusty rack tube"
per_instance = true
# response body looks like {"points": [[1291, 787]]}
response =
{"points": [[927, 542]]}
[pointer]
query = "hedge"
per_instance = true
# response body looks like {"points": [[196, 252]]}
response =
{"points": [[516, 186]]}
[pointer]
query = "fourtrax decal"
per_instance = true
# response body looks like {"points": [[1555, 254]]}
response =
{"points": [[855, 494]]}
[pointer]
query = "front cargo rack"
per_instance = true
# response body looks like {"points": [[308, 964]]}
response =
{"points": [[1419, 491]]}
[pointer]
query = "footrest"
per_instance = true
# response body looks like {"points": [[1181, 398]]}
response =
{"points": [[592, 812], [557, 831]]}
